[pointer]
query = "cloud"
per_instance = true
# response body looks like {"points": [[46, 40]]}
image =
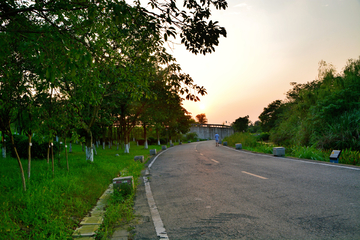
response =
{"points": [[243, 5]]}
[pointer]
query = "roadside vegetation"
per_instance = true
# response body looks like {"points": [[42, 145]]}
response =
{"points": [[252, 142], [54, 205], [315, 118]]}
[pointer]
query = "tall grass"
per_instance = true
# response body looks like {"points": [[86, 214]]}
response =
{"points": [[250, 142], [53, 206]]}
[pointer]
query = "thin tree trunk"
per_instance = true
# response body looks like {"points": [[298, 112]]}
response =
{"points": [[126, 143], [52, 158], [89, 149], [29, 155], [145, 137], [104, 138], [94, 148], [48, 153], [3, 141], [18, 159], [66, 154], [158, 136]]}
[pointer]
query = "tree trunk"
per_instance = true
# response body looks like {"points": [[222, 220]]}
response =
{"points": [[60, 143], [145, 137], [104, 138], [3, 141], [89, 149], [94, 149], [48, 153], [52, 158], [18, 159], [66, 154], [126, 143], [29, 155], [158, 136]]}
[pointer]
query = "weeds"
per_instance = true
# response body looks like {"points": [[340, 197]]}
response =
{"points": [[249, 142]]}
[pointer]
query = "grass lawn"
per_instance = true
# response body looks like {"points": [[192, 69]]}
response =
{"points": [[53, 205]]}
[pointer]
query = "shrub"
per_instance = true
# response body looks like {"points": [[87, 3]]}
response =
{"points": [[246, 139], [350, 157], [264, 136], [152, 141], [190, 136]]}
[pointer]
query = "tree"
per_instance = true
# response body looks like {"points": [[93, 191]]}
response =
{"points": [[241, 124], [255, 127], [270, 115], [201, 118], [322, 113], [86, 51]]}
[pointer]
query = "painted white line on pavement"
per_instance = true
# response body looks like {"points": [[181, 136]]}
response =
{"points": [[297, 160], [254, 175], [158, 224], [156, 158], [214, 160]]}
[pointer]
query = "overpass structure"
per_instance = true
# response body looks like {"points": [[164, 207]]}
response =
{"points": [[208, 131]]}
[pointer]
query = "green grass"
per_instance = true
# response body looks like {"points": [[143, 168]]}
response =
{"points": [[249, 142], [53, 206]]}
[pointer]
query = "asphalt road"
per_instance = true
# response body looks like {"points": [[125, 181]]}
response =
{"points": [[207, 192]]}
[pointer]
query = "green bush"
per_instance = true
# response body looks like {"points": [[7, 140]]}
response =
{"points": [[152, 141], [264, 136], [246, 139], [191, 136], [350, 157]]}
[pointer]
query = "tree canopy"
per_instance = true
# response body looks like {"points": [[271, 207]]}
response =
{"points": [[64, 60], [241, 124], [325, 112], [201, 118]]}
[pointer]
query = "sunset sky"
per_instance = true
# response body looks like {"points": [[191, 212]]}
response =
{"points": [[270, 43]]}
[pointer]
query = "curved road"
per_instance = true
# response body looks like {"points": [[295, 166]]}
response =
{"points": [[207, 192]]}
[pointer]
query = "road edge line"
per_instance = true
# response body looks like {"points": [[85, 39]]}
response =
{"points": [[155, 215]]}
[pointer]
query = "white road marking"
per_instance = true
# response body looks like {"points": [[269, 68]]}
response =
{"points": [[156, 158], [158, 224], [214, 160], [155, 215], [254, 175]]}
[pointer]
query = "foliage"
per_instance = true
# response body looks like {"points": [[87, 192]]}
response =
{"points": [[270, 115], [245, 138], [201, 118], [249, 142], [241, 124], [311, 152], [38, 149], [323, 113], [190, 136], [264, 136], [255, 127], [65, 65]]}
